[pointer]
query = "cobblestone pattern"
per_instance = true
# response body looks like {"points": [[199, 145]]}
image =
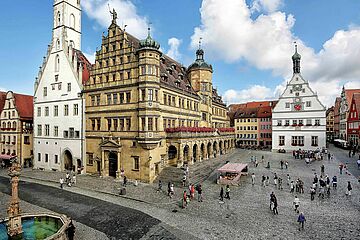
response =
{"points": [[247, 214]]}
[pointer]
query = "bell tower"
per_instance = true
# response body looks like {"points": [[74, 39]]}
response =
{"points": [[67, 24]]}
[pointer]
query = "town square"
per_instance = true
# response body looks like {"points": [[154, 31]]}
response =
{"points": [[207, 119]]}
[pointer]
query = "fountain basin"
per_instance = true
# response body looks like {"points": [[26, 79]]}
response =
{"points": [[39, 226]]}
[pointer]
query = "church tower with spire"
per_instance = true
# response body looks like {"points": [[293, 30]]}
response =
{"points": [[58, 104], [299, 118]]}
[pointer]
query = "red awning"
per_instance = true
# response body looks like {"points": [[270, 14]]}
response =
{"points": [[6, 157], [233, 168]]}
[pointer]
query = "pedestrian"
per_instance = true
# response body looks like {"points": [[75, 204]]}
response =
{"points": [[292, 186], [159, 186], [286, 164], [192, 191], [169, 189], [281, 164], [322, 168], [350, 153], [301, 220], [253, 179], [70, 230], [288, 179], [315, 180], [221, 194], [296, 204], [275, 179], [348, 189], [321, 192], [267, 180], [334, 182], [187, 170], [280, 183], [263, 181], [328, 190], [272, 199], [74, 179], [358, 163], [341, 166], [329, 156], [227, 192], [184, 199], [312, 193], [67, 177], [268, 165], [125, 181], [184, 180], [199, 190], [256, 162], [301, 186], [275, 211], [61, 182], [172, 190]]}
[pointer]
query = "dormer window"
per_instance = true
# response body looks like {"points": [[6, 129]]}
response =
{"points": [[169, 71], [177, 82], [162, 59], [188, 87], [173, 66], [181, 76]]}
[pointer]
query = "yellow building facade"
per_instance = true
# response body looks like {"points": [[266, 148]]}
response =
{"points": [[247, 127], [16, 121], [144, 111]]}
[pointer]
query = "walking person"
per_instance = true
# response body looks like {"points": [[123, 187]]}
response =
{"points": [[263, 181], [275, 210], [221, 194], [61, 182], [322, 168], [74, 179], [275, 179], [292, 186], [334, 182], [169, 189], [348, 189], [192, 191], [286, 164], [199, 190], [301, 220], [172, 190], [341, 166], [272, 199], [267, 180], [281, 164], [67, 177], [280, 183], [227, 192], [184, 199], [159, 186], [296, 204], [288, 179], [253, 179], [312, 193], [184, 180], [125, 181]]}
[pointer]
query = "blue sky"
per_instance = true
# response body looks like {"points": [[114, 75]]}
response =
{"points": [[249, 46]]}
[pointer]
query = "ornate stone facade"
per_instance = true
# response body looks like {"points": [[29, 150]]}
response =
{"points": [[145, 111]]}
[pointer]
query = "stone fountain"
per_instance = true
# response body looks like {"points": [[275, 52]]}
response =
{"points": [[19, 226]]}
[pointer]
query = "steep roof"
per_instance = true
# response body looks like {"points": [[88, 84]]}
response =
{"points": [[264, 112], [25, 105], [329, 110], [246, 113], [2, 100], [85, 64], [337, 106], [349, 94], [356, 101]]}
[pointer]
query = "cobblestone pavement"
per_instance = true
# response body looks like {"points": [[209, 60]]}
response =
{"points": [[247, 214], [82, 231]]}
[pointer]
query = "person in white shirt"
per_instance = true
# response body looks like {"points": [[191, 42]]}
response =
{"points": [[296, 204], [253, 178], [61, 182]]}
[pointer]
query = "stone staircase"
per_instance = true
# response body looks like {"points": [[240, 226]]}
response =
{"points": [[198, 172]]}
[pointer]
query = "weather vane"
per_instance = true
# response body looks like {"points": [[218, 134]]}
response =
{"points": [[200, 42]]}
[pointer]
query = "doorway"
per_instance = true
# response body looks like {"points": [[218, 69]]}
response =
{"points": [[112, 164]]}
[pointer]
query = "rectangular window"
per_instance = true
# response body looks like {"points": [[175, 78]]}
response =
{"points": [[92, 100], [46, 111], [128, 124], [115, 98], [90, 159], [301, 122], [204, 118], [279, 122], [109, 124], [66, 110], [45, 91], [294, 122], [136, 164], [98, 124], [122, 124], [56, 111], [71, 132], [314, 141], [143, 94], [128, 97], [308, 103], [150, 124], [156, 95], [143, 124], [150, 95], [317, 122], [77, 134], [109, 99], [39, 111], [56, 131], [46, 157], [76, 109], [39, 130], [287, 105], [66, 134], [98, 100], [47, 129], [56, 157], [115, 124], [26, 140], [308, 122], [281, 140], [69, 87], [39, 157], [93, 123], [121, 98]]}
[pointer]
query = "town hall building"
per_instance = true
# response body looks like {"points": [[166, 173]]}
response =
{"points": [[299, 118]]}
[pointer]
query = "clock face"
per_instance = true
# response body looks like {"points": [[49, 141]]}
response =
{"points": [[297, 107], [297, 99]]}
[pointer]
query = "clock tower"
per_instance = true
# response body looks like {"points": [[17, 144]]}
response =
{"points": [[299, 118]]}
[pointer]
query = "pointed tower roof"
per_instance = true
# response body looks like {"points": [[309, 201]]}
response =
{"points": [[200, 62], [149, 43], [296, 61]]}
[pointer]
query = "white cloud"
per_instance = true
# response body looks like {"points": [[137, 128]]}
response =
{"points": [[253, 93], [90, 57], [173, 52], [126, 12], [229, 33], [266, 5]]}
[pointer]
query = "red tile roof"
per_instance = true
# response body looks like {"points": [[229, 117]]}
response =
{"points": [[356, 101], [86, 65], [349, 94], [264, 112], [337, 106], [25, 105]]}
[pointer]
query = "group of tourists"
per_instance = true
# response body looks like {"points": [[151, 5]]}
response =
{"points": [[309, 155], [69, 180]]}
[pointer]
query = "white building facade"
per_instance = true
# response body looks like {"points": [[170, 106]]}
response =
{"points": [[299, 118], [58, 104]]}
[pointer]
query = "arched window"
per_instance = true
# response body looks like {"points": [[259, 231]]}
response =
{"points": [[72, 44], [72, 21], [4, 125], [14, 125], [9, 125], [58, 19], [57, 44], [57, 63]]}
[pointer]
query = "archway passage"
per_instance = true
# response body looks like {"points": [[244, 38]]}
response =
{"points": [[202, 151], [215, 149], [172, 152], [208, 150], [194, 152], [112, 164], [186, 154], [68, 160]]}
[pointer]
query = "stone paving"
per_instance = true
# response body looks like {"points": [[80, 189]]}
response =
{"points": [[247, 214]]}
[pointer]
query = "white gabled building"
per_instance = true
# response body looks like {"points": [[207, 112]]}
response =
{"points": [[58, 104], [299, 118]]}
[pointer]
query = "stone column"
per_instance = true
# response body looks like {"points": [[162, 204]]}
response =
{"points": [[118, 172], [102, 163], [190, 155], [180, 156], [205, 155], [210, 153], [197, 157]]}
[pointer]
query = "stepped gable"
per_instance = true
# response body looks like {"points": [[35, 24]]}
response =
{"points": [[86, 65], [24, 105], [216, 97], [174, 75], [2, 100]]}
